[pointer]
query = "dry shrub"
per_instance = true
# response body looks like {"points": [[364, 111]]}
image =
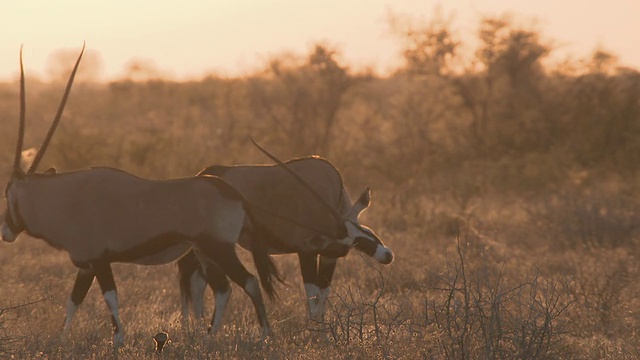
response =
{"points": [[482, 310], [474, 308], [9, 315], [602, 293]]}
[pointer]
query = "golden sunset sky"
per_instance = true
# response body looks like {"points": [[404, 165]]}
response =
{"points": [[190, 38]]}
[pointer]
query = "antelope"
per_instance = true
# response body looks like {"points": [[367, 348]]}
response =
{"points": [[103, 215], [308, 189]]}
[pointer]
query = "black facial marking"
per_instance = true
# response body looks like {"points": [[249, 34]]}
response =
{"points": [[365, 245]]}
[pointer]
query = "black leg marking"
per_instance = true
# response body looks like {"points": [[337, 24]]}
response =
{"points": [[309, 267], [81, 287], [104, 275], [325, 271], [188, 266], [107, 284]]}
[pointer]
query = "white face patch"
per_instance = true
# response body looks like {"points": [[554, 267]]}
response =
{"points": [[364, 235], [383, 255]]}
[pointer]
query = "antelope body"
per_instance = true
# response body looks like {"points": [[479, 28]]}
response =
{"points": [[102, 215], [113, 212], [318, 236]]}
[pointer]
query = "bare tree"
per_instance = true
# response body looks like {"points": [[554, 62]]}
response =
{"points": [[302, 100]]}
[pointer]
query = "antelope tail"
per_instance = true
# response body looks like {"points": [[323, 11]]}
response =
{"points": [[267, 270], [187, 265]]}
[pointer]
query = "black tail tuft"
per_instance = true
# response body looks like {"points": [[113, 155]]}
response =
{"points": [[267, 270]]}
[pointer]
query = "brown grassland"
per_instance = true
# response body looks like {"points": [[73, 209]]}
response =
{"points": [[507, 188]]}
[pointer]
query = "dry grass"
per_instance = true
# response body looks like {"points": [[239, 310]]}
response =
{"points": [[465, 296]]}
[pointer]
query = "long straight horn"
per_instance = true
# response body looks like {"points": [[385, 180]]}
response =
{"points": [[56, 120], [303, 182], [16, 160]]}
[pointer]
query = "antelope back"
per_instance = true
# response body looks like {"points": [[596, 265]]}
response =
{"points": [[113, 211], [268, 187], [269, 190]]}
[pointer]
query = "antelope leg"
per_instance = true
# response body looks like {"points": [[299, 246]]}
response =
{"points": [[108, 286], [81, 287], [192, 285], [309, 270], [227, 259], [217, 280], [326, 269]]}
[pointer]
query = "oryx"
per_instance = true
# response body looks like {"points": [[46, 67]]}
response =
{"points": [[325, 229], [103, 215]]}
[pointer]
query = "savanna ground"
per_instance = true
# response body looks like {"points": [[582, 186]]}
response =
{"points": [[507, 187]]}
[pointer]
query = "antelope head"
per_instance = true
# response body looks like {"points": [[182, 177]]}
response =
{"points": [[13, 220], [347, 230]]}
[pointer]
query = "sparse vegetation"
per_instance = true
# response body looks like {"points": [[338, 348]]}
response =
{"points": [[507, 189]]}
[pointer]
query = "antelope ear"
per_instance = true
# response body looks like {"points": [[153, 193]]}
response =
{"points": [[51, 171], [360, 205], [26, 158]]}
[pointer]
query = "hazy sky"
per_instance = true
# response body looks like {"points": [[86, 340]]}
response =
{"points": [[194, 37]]}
